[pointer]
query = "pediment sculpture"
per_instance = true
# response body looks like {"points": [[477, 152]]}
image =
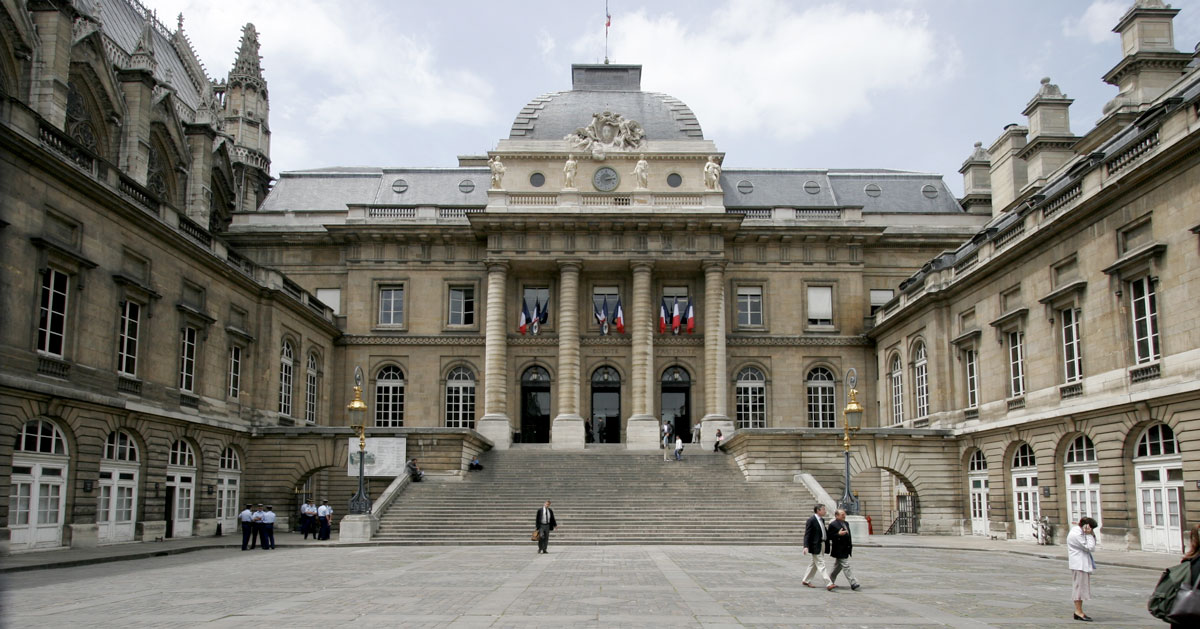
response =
{"points": [[608, 132]]}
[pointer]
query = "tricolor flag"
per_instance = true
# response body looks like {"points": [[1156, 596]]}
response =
{"points": [[607, 18], [662, 317], [535, 324], [601, 314], [619, 317], [523, 324], [676, 317], [689, 317]]}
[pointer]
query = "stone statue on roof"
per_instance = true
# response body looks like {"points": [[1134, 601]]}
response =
{"points": [[569, 170], [641, 173], [608, 132], [712, 174], [498, 171]]}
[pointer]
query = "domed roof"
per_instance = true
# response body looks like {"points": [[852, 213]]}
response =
{"points": [[599, 88]]}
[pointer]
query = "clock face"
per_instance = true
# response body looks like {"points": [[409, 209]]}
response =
{"points": [[606, 179]]}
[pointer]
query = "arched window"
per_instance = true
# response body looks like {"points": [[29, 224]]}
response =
{"points": [[751, 394], [1158, 440], [1083, 480], [535, 375], [182, 454], [1023, 457], [978, 462], [1081, 450], [120, 447], [389, 397], [230, 460], [310, 390], [286, 363], [460, 398], [896, 383], [821, 399], [606, 376], [41, 436], [676, 375], [921, 379]]}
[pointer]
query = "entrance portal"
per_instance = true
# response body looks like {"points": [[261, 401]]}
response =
{"points": [[535, 406], [604, 426], [675, 401]]}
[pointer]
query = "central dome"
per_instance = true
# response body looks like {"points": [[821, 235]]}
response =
{"points": [[599, 88]]}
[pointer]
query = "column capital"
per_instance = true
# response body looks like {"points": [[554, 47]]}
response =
{"points": [[567, 264], [710, 266], [642, 264], [496, 265]]}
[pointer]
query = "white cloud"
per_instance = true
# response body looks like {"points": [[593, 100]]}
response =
{"points": [[546, 43], [767, 66], [1097, 21]]}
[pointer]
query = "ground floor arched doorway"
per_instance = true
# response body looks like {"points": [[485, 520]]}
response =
{"points": [[675, 401], [535, 405], [889, 499], [604, 423]]}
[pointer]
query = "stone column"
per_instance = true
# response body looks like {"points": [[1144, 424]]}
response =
{"points": [[716, 397], [495, 424], [641, 429], [567, 431]]}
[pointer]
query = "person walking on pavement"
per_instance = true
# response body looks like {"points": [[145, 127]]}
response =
{"points": [[666, 440], [678, 448], [1081, 542], [246, 517], [268, 529], [841, 543], [815, 544], [545, 523]]}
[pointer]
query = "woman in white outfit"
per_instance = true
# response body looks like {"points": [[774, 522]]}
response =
{"points": [[1081, 541]]}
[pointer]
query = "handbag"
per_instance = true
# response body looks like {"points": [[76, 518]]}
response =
{"points": [[1185, 611], [535, 537]]}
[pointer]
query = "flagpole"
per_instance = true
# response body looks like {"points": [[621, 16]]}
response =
{"points": [[607, 21]]}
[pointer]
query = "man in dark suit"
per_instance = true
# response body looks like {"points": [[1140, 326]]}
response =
{"points": [[545, 523], [815, 544], [840, 546]]}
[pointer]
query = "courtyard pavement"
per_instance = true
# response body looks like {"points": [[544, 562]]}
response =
{"points": [[914, 581]]}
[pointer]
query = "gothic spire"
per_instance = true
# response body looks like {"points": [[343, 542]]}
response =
{"points": [[248, 63], [143, 56]]}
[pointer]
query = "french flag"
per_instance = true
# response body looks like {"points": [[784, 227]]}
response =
{"points": [[523, 325], [538, 317], [662, 317], [690, 317], [619, 317], [601, 314], [676, 316]]}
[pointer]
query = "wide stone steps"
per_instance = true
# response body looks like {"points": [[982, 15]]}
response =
{"points": [[600, 497]]}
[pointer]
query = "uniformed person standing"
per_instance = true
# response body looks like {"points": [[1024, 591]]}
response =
{"points": [[246, 517], [256, 520], [324, 514], [268, 529]]}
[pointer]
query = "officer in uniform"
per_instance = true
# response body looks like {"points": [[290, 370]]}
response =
{"points": [[256, 519], [268, 529], [246, 517], [324, 514]]}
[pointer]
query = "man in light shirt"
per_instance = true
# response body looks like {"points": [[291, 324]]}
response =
{"points": [[324, 514], [246, 517], [268, 529], [256, 523]]}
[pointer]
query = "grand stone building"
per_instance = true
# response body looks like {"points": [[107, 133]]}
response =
{"points": [[181, 334]]}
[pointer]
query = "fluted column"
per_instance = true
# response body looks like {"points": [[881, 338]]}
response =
{"points": [[716, 396], [641, 429], [495, 424], [568, 431]]}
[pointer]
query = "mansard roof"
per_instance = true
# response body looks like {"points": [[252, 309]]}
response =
{"points": [[879, 191]]}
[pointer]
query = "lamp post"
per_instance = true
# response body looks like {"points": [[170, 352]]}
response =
{"points": [[852, 421], [357, 412]]}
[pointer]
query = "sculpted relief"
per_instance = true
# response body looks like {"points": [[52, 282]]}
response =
{"points": [[608, 132]]}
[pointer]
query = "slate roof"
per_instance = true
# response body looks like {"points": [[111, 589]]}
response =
{"points": [[332, 189], [552, 116], [899, 191]]}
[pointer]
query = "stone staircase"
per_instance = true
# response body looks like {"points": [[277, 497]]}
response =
{"points": [[601, 495]]}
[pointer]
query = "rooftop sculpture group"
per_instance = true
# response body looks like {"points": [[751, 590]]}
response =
{"points": [[608, 132]]}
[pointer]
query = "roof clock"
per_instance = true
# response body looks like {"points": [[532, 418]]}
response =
{"points": [[606, 179]]}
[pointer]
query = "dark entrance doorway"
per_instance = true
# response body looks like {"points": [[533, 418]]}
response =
{"points": [[676, 401], [170, 507], [535, 406], [604, 425]]}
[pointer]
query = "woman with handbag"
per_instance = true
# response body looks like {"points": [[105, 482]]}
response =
{"points": [[1177, 609], [1081, 541]]}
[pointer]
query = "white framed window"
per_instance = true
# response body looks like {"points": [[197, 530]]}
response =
{"points": [[820, 305], [37, 487], [1072, 348], [460, 398], [120, 447], [127, 340], [310, 389], [977, 462], [896, 384], [230, 461], [750, 306], [286, 365], [182, 454], [391, 305], [1082, 474], [229, 480], [1144, 309], [751, 395], [1016, 363], [822, 410], [389, 397], [235, 372], [921, 379], [187, 359], [977, 477], [52, 317], [971, 365], [462, 305], [1026, 501], [1158, 471]]}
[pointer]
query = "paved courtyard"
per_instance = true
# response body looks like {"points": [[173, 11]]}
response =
{"points": [[594, 586]]}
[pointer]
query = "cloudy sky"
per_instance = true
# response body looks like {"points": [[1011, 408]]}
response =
{"points": [[905, 84]]}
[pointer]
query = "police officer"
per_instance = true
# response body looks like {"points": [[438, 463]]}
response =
{"points": [[324, 514], [308, 519], [256, 519], [268, 529], [246, 517]]}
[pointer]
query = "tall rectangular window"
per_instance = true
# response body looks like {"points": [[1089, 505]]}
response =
{"points": [[1072, 356], [391, 306], [972, 368], [537, 299], [1016, 363], [1145, 320], [750, 306], [310, 390], [52, 320], [602, 295], [462, 305], [820, 305], [235, 372], [127, 349], [187, 359]]}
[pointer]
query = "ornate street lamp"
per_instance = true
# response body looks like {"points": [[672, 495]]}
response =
{"points": [[357, 412], [852, 421]]}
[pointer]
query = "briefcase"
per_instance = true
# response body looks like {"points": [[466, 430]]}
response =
{"points": [[535, 537]]}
